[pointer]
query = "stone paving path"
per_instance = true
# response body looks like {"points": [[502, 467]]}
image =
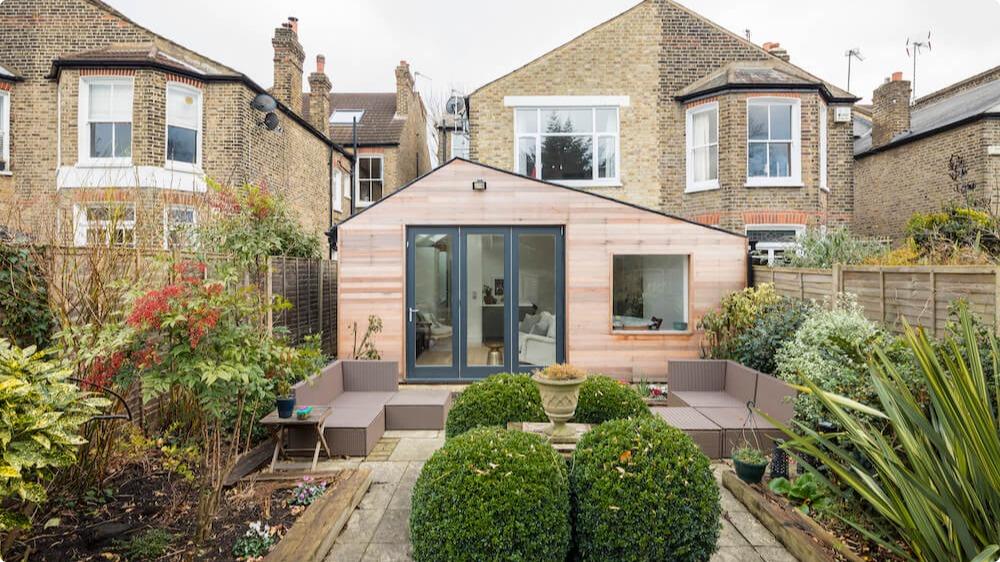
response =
{"points": [[378, 531]]}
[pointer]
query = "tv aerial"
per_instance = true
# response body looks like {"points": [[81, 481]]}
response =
{"points": [[913, 49], [851, 54], [267, 105]]}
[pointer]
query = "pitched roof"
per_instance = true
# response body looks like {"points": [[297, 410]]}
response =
{"points": [[146, 53], [379, 125], [761, 74], [981, 101]]}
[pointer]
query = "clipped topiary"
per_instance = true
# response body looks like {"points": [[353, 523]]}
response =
{"points": [[494, 401], [642, 491], [603, 398], [492, 494]]}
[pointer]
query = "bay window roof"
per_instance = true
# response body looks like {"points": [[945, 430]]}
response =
{"points": [[767, 75]]}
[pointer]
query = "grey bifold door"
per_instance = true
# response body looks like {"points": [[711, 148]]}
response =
{"points": [[483, 300]]}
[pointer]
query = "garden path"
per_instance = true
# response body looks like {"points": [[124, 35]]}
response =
{"points": [[378, 531]]}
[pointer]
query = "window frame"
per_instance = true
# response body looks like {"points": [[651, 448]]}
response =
{"points": [[705, 185], [5, 106], [795, 158], [167, 224], [451, 147], [357, 178], [83, 121], [799, 230], [360, 113], [337, 189], [83, 224], [198, 94], [595, 181], [688, 291], [824, 146]]}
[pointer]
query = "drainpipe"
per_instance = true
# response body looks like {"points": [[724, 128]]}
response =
{"points": [[329, 189], [354, 166]]}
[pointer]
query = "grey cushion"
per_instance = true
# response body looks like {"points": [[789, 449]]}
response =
{"points": [[528, 323], [542, 327]]}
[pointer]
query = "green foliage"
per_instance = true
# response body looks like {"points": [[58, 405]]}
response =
{"points": [[366, 349], [603, 398], [42, 413], [494, 401], [749, 455], [830, 350], [934, 475], [946, 235], [642, 491], [562, 372], [256, 542], [807, 492], [758, 346], [148, 545], [307, 491], [737, 312], [822, 249], [492, 495], [25, 317]]}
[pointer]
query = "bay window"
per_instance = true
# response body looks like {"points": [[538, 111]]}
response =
{"points": [[105, 224], [106, 120], [370, 179], [773, 142], [572, 145], [650, 293], [183, 125], [4, 131], [703, 147]]}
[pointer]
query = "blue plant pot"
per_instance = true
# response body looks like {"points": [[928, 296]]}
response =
{"points": [[286, 405]]}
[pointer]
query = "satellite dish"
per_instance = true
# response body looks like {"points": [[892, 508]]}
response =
{"points": [[264, 103], [271, 121], [455, 105]]}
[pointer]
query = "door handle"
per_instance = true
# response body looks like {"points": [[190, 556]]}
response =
{"points": [[412, 310]]}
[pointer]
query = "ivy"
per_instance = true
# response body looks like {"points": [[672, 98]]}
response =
{"points": [[25, 317]]}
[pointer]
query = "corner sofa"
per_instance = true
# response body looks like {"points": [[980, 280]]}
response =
{"points": [[707, 399], [366, 401]]}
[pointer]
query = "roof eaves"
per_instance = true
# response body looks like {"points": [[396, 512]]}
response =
{"points": [[992, 114], [821, 88]]}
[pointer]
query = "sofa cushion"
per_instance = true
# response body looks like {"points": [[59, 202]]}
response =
{"points": [[420, 398], [700, 375], [528, 324], [362, 400], [685, 418], [359, 417], [775, 398], [321, 389], [741, 382], [700, 399], [734, 418]]}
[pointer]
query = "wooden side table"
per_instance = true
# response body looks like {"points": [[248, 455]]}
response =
{"points": [[315, 420]]}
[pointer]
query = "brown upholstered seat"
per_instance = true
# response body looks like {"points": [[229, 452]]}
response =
{"points": [[418, 409], [706, 434]]}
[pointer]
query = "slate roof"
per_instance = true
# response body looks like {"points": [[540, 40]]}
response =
{"points": [[924, 120], [766, 74], [143, 53], [378, 126]]}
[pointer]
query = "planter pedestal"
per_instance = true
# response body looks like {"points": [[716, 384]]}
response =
{"points": [[564, 444]]}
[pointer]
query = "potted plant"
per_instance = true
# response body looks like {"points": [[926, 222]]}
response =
{"points": [[284, 399], [559, 386], [750, 463]]}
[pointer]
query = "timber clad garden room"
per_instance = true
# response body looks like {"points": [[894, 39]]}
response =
{"points": [[475, 271]]}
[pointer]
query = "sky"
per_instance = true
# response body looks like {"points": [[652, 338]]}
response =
{"points": [[460, 45]]}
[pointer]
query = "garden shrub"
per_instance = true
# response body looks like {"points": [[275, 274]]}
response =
{"points": [[642, 490], [603, 398], [147, 545], [822, 249], [494, 401], [757, 346], [955, 235], [737, 312], [831, 349], [492, 495], [25, 316]]}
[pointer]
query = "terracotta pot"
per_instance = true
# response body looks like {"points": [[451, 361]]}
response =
{"points": [[559, 400]]}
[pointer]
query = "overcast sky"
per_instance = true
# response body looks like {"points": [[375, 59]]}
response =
{"points": [[464, 44]]}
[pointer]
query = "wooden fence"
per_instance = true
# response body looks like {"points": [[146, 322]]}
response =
{"points": [[311, 288], [920, 294]]}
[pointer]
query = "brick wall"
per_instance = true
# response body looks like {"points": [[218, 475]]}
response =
{"points": [[913, 177]]}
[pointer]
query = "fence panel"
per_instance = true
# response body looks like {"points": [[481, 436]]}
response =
{"points": [[921, 295], [310, 286]]}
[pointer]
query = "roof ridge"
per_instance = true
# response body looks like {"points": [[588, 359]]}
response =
{"points": [[940, 92], [930, 104]]}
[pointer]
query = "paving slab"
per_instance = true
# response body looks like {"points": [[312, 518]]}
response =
{"points": [[388, 552], [736, 554], [730, 536], [752, 530], [346, 552], [378, 496], [414, 434], [394, 527], [776, 554], [416, 449], [385, 471], [361, 526]]}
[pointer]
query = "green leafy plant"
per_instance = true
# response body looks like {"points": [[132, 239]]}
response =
{"points": [[25, 317], [147, 545], [603, 398], [818, 248], [256, 542], [366, 348], [748, 454], [651, 391], [42, 414], [934, 475], [757, 347], [948, 234], [492, 494], [807, 492], [737, 313], [495, 401], [307, 491], [642, 490]]}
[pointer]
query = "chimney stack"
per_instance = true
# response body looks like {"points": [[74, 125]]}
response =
{"points": [[776, 50], [890, 109], [404, 88], [288, 59], [319, 96]]}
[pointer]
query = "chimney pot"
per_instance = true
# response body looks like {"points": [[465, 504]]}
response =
{"points": [[320, 64], [293, 23], [897, 76]]}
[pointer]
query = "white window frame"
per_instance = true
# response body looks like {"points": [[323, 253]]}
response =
{"points": [[197, 93], [83, 225], [359, 112], [823, 147], [166, 221], [357, 178], [695, 186], [686, 292], [83, 121], [538, 135], [455, 135], [337, 189], [772, 247], [795, 179], [5, 131]]}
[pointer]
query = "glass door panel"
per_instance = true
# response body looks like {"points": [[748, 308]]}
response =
{"points": [[538, 263], [486, 327], [432, 309]]}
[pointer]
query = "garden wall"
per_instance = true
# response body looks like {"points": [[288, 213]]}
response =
{"points": [[920, 294]]}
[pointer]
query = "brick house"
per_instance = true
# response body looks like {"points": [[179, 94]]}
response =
{"points": [[663, 108], [104, 121], [943, 148], [392, 135]]}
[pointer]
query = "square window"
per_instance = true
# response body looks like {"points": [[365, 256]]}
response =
{"points": [[649, 293]]}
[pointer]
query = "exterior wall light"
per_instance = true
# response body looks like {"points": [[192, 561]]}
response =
{"points": [[479, 185]]}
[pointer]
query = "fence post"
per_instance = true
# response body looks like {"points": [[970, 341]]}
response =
{"points": [[996, 297], [835, 282], [802, 285], [269, 293], [319, 282], [933, 283], [881, 285]]}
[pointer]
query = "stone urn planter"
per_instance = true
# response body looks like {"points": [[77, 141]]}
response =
{"points": [[559, 387]]}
